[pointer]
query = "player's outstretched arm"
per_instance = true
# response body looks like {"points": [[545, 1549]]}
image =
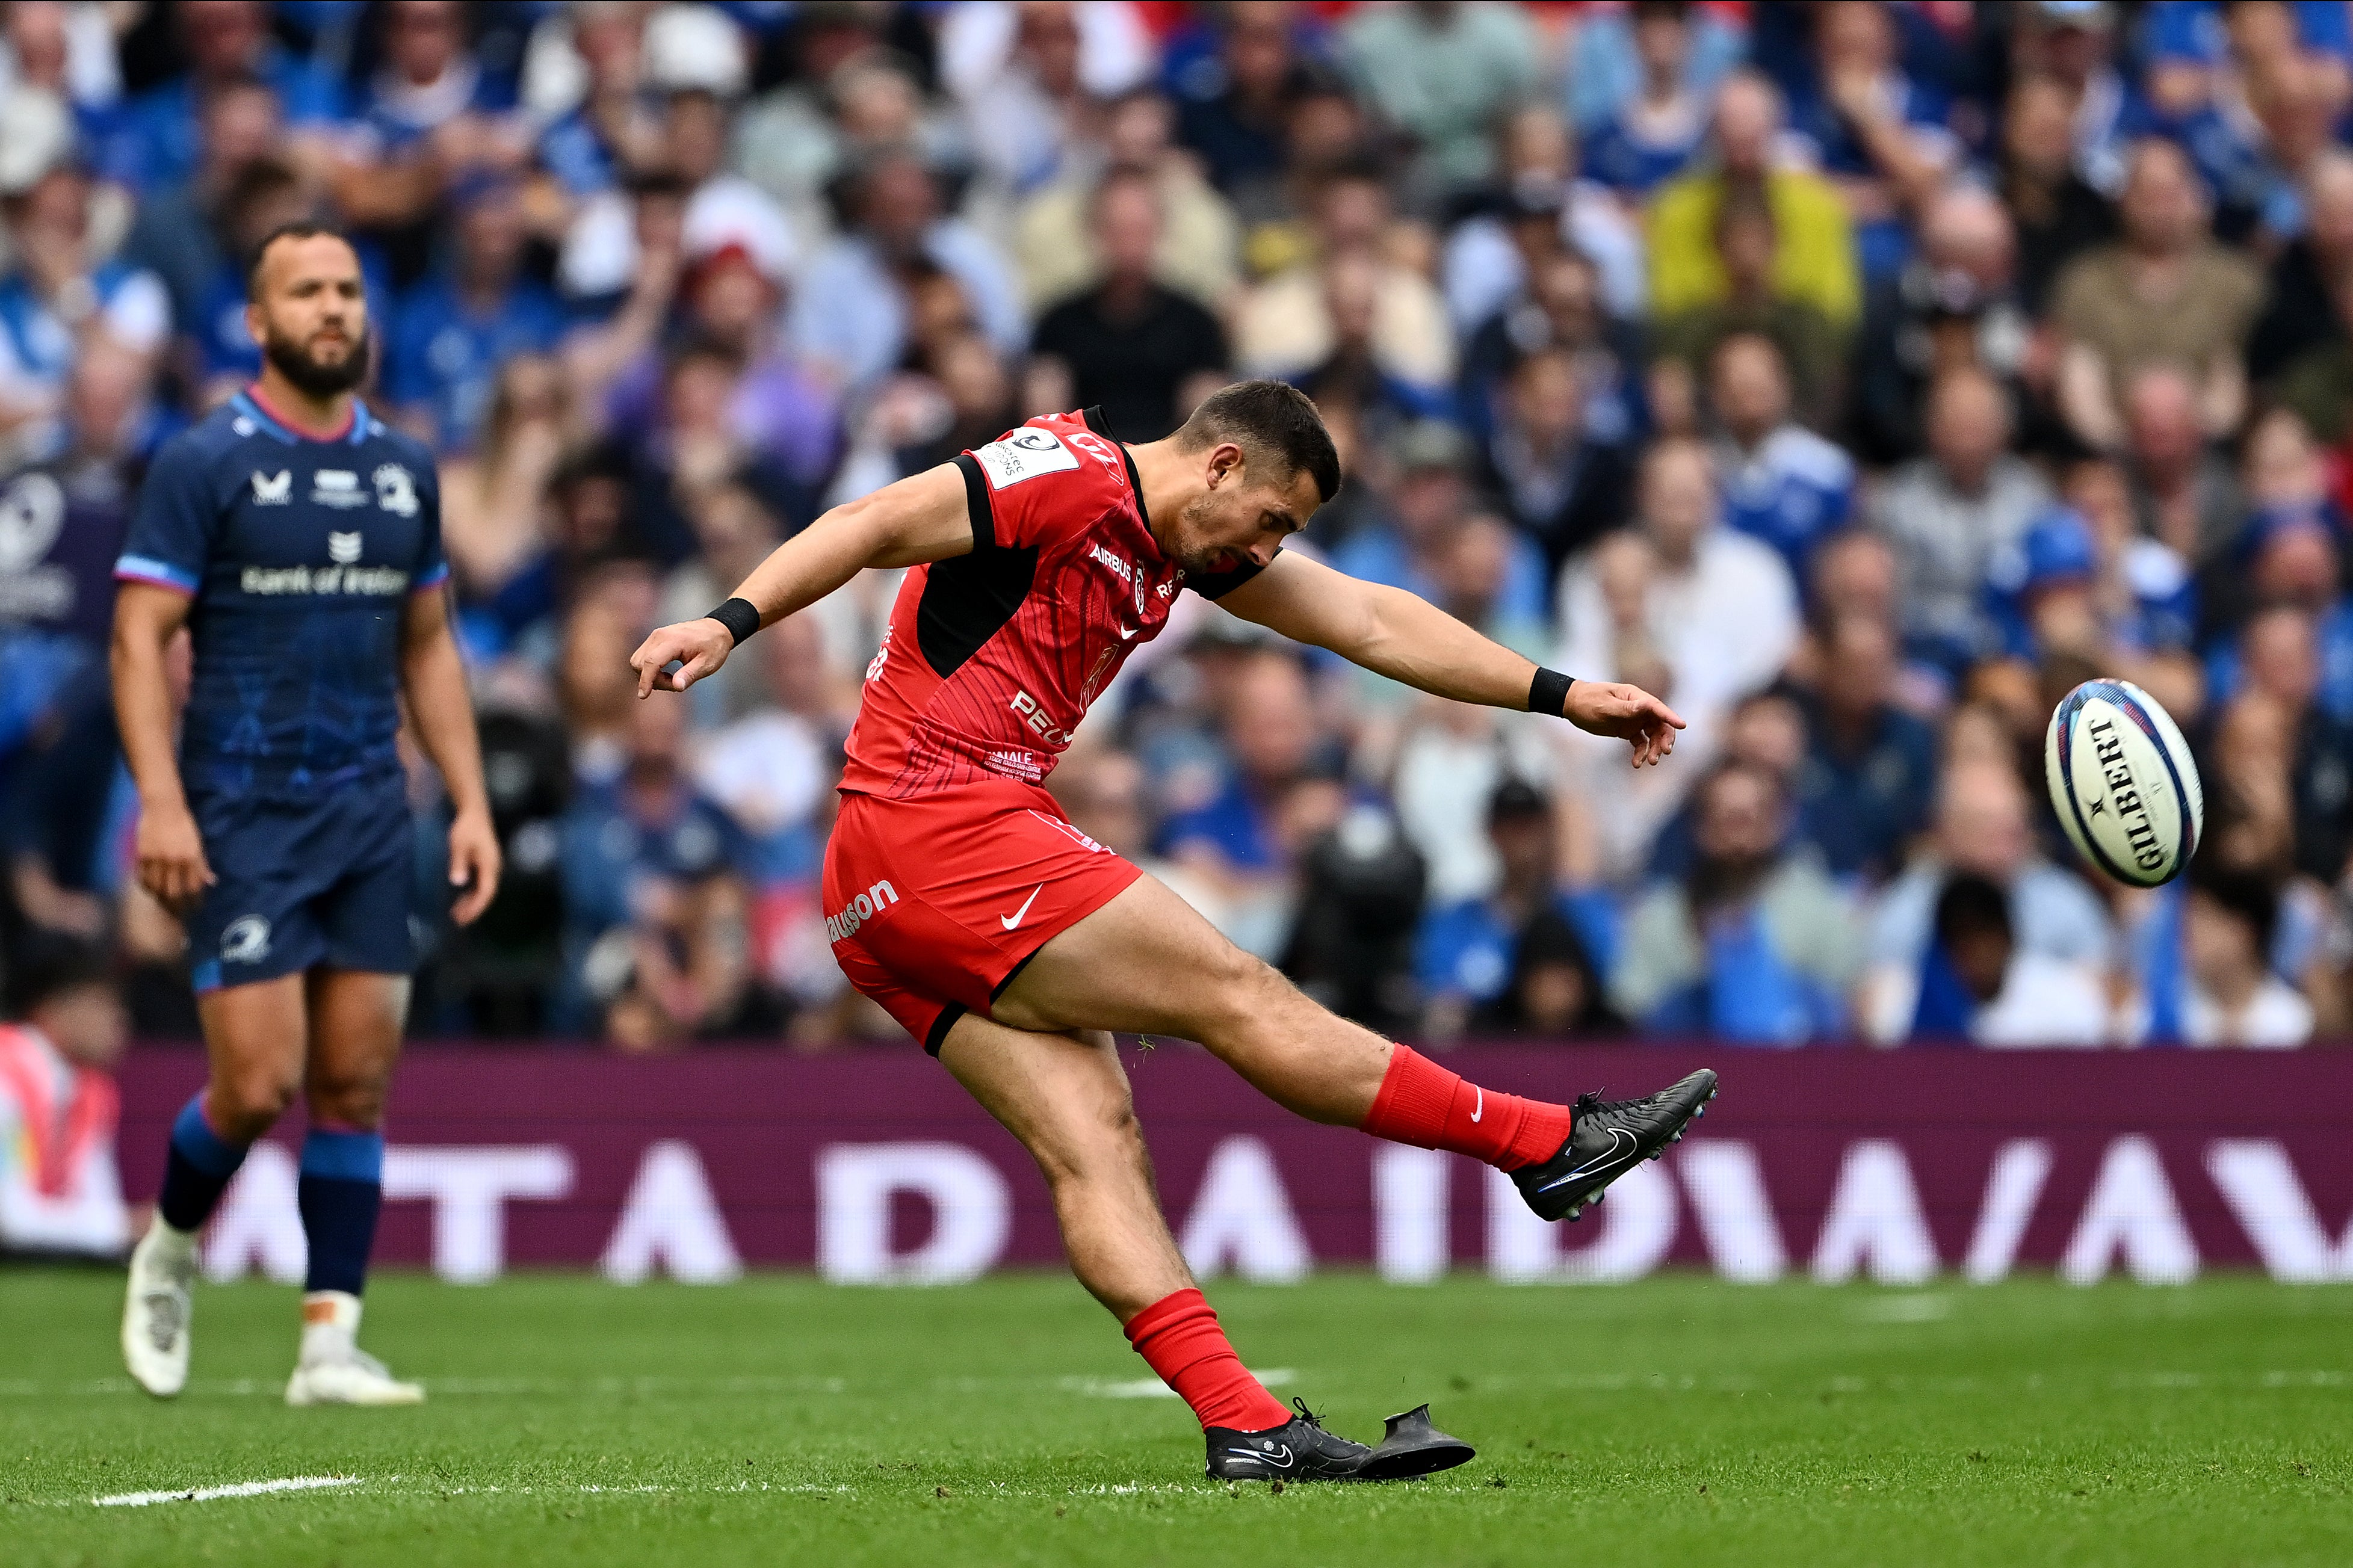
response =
{"points": [[924, 517], [433, 678], [171, 853], [1393, 633]]}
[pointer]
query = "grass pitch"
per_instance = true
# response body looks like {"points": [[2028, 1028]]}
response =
{"points": [[780, 1420]]}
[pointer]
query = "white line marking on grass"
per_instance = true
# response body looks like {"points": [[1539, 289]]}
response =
{"points": [[1152, 1388], [242, 1489]]}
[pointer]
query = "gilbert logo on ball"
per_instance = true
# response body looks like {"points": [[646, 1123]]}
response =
{"points": [[2123, 783]]}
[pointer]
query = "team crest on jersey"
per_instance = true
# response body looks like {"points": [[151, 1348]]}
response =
{"points": [[343, 549], [32, 515], [337, 488], [273, 491], [395, 492]]}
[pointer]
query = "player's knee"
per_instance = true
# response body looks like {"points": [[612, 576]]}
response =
{"points": [[245, 1102], [1243, 985], [347, 1099]]}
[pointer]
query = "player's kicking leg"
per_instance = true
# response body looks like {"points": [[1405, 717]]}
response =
{"points": [[258, 1036], [1146, 962], [1065, 1097]]}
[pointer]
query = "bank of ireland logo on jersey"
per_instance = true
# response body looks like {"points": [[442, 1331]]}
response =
{"points": [[1024, 453], [273, 489], [395, 492], [345, 548], [246, 941]]}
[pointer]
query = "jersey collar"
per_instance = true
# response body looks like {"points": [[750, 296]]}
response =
{"points": [[1094, 422], [250, 403]]}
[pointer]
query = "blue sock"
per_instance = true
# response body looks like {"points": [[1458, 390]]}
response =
{"points": [[197, 1168], [340, 1193]]}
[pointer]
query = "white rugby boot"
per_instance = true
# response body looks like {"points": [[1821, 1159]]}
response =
{"points": [[332, 1368], [156, 1308]]}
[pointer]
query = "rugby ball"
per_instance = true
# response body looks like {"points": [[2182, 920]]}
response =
{"points": [[2123, 783]]}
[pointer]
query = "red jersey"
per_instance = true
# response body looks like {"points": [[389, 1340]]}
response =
{"points": [[991, 658]]}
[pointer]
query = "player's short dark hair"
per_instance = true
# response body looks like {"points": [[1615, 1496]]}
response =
{"points": [[302, 228], [50, 966], [1273, 417], [1971, 906]]}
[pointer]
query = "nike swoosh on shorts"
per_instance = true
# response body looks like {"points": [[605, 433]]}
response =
{"points": [[1017, 916]]}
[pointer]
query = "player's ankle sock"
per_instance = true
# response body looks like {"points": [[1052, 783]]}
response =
{"points": [[1423, 1104], [197, 1169], [331, 1326], [341, 1192], [1178, 1336]]}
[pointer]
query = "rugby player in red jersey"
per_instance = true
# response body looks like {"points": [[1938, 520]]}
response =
{"points": [[959, 897]]}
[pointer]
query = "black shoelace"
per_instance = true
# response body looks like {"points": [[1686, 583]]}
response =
{"points": [[1307, 1414]]}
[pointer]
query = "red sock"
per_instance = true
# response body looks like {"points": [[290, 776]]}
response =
{"points": [[1178, 1336], [1422, 1104]]}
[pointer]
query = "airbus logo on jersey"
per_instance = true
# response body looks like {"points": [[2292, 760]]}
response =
{"points": [[337, 488], [395, 490], [273, 491], [1120, 569]]}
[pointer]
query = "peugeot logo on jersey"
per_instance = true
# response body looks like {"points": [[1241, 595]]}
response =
{"points": [[273, 491], [246, 941], [395, 492], [343, 549]]}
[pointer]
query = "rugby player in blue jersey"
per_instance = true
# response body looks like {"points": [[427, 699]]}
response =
{"points": [[298, 539]]}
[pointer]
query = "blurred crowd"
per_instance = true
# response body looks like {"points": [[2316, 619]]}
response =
{"points": [[1860, 377]]}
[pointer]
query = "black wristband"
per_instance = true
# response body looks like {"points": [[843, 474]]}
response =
{"points": [[738, 616], [1548, 692]]}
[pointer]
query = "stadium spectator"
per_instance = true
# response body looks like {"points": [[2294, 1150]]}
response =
{"points": [[1561, 487], [1685, 344], [2165, 293], [1949, 512], [1284, 322], [1815, 259], [2183, 491], [1983, 829], [1231, 107], [1975, 983], [185, 233], [1560, 308], [1141, 350], [2210, 980], [1537, 206], [1871, 770], [1466, 950], [1884, 138], [854, 312], [58, 296], [2074, 45], [2057, 212], [1556, 991], [1199, 247], [60, 1194], [1754, 946], [1409, 538], [1608, 61], [1440, 74], [655, 913], [2299, 297], [1653, 131], [2317, 382], [454, 330], [1952, 305], [159, 141], [1781, 483]]}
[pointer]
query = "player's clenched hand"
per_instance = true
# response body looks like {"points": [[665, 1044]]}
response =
{"points": [[473, 865], [1628, 712], [697, 648], [171, 853]]}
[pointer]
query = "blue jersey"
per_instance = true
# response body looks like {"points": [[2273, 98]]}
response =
{"points": [[301, 555]]}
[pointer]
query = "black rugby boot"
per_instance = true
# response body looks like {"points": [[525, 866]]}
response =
{"points": [[1298, 1451], [1606, 1138]]}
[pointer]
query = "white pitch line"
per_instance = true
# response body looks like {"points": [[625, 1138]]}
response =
{"points": [[1152, 1388], [242, 1489]]}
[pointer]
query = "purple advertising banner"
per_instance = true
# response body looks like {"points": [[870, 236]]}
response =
{"points": [[875, 1167]]}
